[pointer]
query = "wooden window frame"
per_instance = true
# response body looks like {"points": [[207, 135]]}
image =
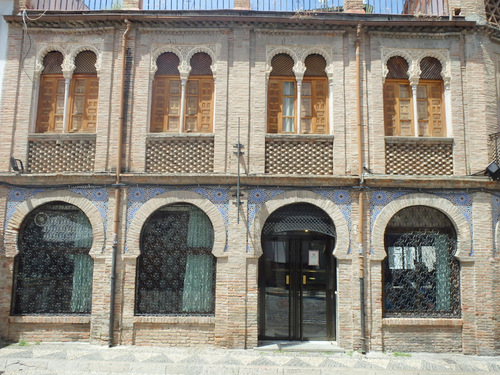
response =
{"points": [[49, 125], [87, 126], [202, 119], [393, 128], [275, 112], [167, 117], [202, 126]]}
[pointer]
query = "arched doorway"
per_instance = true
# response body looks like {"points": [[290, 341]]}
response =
{"points": [[297, 275]]}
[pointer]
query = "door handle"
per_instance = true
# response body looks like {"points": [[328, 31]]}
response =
{"points": [[304, 279], [287, 279]]}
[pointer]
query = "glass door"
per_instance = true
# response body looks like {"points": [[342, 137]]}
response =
{"points": [[297, 288]]}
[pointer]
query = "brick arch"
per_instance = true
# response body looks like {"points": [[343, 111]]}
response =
{"points": [[154, 57], [82, 48], [41, 55], [25, 208], [464, 243], [395, 53], [300, 196], [183, 196]]}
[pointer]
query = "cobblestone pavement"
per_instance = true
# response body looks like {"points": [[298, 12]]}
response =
{"points": [[72, 359]]}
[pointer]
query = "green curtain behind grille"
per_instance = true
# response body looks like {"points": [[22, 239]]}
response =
{"points": [[200, 231], [443, 283], [197, 295], [81, 298]]}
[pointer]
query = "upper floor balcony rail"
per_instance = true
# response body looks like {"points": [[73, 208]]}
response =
{"points": [[495, 147], [300, 7]]}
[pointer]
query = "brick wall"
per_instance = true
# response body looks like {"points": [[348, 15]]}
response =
{"points": [[242, 58]]}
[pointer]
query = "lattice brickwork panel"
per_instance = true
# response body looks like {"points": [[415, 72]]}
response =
{"points": [[493, 12], [180, 155], [52, 155], [418, 158], [308, 156]]}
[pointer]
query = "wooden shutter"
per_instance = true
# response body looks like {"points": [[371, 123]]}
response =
{"points": [[437, 120], [273, 105], [320, 100], [166, 103], [83, 104], [50, 104], [206, 105], [430, 109], [398, 108]]}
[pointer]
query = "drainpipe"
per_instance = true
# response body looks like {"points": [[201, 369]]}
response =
{"points": [[361, 210], [116, 221]]}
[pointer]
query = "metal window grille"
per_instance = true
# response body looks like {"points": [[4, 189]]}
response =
{"points": [[176, 269], [282, 66], [421, 275], [315, 66], [200, 64], [53, 270], [85, 63], [52, 63], [299, 217], [168, 64], [430, 68], [398, 68]]}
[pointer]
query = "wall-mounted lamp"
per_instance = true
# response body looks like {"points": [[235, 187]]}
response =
{"points": [[493, 170], [16, 165]]}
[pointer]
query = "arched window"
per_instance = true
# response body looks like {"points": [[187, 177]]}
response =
{"points": [[284, 97], [53, 270], [84, 89], [78, 114], [180, 104], [430, 100], [398, 107], [421, 276], [51, 97], [165, 116], [176, 268], [199, 95], [418, 109]]}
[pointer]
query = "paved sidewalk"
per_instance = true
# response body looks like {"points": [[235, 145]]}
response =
{"points": [[72, 359]]}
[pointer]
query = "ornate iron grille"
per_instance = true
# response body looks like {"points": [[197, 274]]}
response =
{"points": [[168, 64], [299, 217], [52, 63], [85, 63], [398, 68], [176, 268], [421, 274], [282, 66], [200, 64], [315, 66], [430, 68], [53, 270], [495, 147]]}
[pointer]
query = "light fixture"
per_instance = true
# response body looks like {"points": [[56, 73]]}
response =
{"points": [[493, 170], [16, 165]]}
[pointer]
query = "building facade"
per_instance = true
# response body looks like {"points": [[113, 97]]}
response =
{"points": [[225, 177]]}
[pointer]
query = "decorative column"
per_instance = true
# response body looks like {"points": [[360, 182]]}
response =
{"points": [[184, 69], [299, 69], [67, 70]]}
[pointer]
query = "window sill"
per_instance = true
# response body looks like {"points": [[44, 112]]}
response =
{"points": [[174, 320], [426, 140], [440, 322], [180, 135], [60, 136], [48, 319], [299, 136]]}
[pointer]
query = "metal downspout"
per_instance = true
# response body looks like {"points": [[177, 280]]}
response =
{"points": [[116, 221], [361, 210]]}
